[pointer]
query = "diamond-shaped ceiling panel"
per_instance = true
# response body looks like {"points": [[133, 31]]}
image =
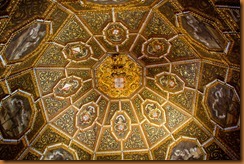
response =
{"points": [[120, 80]]}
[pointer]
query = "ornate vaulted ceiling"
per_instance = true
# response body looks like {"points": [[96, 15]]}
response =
{"points": [[119, 79]]}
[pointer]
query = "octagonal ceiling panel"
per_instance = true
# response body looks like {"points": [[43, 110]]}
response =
{"points": [[118, 76], [186, 149], [119, 80], [17, 114]]}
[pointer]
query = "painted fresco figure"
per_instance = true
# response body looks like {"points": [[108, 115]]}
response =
{"points": [[59, 154], [14, 117], [120, 124], [203, 32], [186, 151], [224, 107], [25, 42]]}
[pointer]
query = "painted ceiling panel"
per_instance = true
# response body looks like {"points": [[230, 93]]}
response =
{"points": [[120, 80]]}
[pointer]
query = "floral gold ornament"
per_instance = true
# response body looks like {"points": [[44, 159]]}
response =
{"points": [[156, 47], [77, 51], [68, 86], [66, 121], [119, 76], [153, 112], [89, 137], [115, 33], [169, 82], [87, 116], [174, 116], [48, 78], [121, 125]]}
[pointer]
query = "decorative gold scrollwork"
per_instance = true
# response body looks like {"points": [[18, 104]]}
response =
{"points": [[118, 76]]}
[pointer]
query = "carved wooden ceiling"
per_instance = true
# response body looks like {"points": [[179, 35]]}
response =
{"points": [[120, 79]]}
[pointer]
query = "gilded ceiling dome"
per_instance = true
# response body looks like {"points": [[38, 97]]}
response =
{"points": [[120, 80]]}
